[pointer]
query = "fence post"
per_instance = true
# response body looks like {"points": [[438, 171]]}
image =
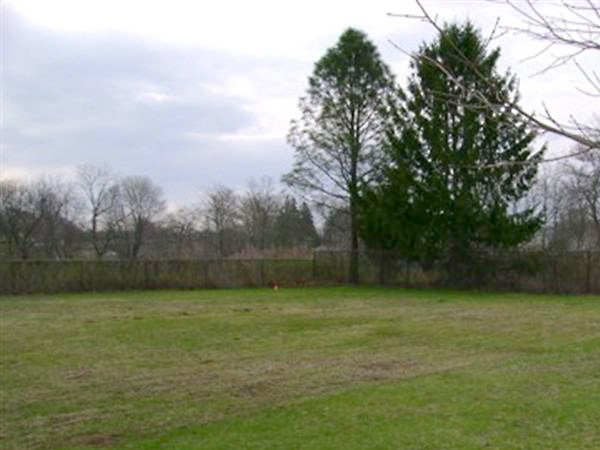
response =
{"points": [[380, 264], [555, 285], [545, 271], [314, 266], [205, 268], [588, 272], [12, 266], [82, 283]]}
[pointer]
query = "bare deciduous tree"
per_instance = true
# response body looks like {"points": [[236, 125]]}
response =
{"points": [[568, 194], [258, 210], [97, 186], [21, 216], [571, 25], [584, 186], [58, 233], [138, 203], [37, 218], [219, 207], [180, 226]]}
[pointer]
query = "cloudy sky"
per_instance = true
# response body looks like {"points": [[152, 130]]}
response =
{"points": [[194, 94]]}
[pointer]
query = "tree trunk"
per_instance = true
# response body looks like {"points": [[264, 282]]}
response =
{"points": [[353, 276], [138, 233]]}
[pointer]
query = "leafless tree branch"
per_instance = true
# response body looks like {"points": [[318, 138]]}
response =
{"points": [[579, 33]]}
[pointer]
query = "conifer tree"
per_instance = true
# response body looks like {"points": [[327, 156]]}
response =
{"points": [[337, 140], [458, 170]]}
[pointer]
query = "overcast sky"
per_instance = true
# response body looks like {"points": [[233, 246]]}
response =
{"points": [[194, 94]]}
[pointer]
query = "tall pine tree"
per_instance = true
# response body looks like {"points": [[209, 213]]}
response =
{"points": [[338, 137], [461, 158]]}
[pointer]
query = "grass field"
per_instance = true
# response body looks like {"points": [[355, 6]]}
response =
{"points": [[335, 368]]}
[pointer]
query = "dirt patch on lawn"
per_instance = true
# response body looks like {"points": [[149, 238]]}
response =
{"points": [[383, 369], [101, 440], [387, 365], [252, 389], [78, 374]]}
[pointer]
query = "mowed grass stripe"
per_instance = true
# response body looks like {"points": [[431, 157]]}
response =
{"points": [[191, 369]]}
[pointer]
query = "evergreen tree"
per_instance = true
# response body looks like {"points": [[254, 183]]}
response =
{"points": [[459, 165], [283, 229], [338, 137], [308, 232], [295, 226], [336, 229]]}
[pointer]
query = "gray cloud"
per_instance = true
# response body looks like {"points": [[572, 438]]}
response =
{"points": [[131, 103], [190, 116]]}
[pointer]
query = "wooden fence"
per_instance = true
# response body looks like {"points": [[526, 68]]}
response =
{"points": [[566, 272], [62, 276], [572, 272]]}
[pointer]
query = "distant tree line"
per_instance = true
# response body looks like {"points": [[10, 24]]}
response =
{"points": [[103, 216], [568, 196]]}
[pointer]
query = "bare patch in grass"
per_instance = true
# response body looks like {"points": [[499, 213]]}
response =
{"points": [[72, 418], [102, 440], [388, 366], [253, 389], [78, 374]]}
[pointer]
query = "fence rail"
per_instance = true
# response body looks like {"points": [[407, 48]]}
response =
{"points": [[571, 272], [63, 276], [566, 272]]}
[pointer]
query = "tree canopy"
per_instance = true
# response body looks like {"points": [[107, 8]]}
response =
{"points": [[443, 193]]}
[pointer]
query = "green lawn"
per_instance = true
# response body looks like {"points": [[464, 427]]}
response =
{"points": [[332, 368]]}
